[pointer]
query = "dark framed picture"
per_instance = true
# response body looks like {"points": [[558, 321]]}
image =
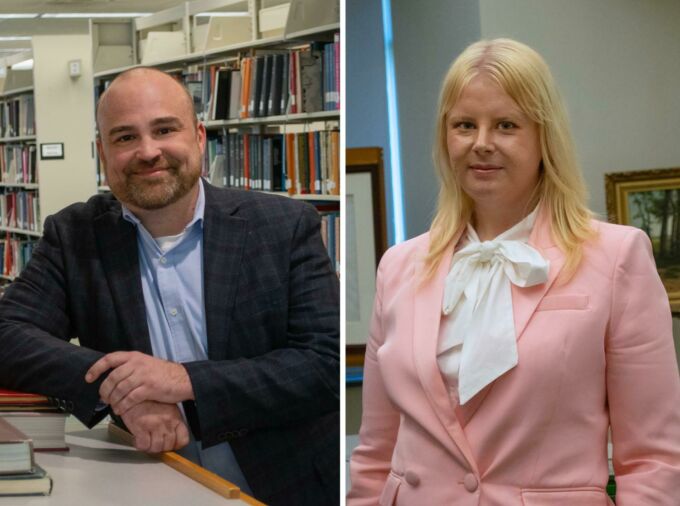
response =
{"points": [[650, 200], [366, 241]]}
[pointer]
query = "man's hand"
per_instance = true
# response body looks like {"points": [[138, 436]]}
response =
{"points": [[156, 427], [137, 377]]}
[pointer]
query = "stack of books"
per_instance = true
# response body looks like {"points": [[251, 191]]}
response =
{"points": [[19, 474], [35, 416]]}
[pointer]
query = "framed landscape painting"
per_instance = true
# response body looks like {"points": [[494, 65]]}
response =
{"points": [[650, 200]]}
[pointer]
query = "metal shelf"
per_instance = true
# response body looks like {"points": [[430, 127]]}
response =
{"points": [[316, 197], [304, 34], [216, 54], [26, 186], [21, 138], [20, 231], [269, 120], [17, 91]]}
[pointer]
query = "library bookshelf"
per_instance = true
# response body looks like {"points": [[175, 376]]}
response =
{"points": [[265, 79], [19, 204], [32, 188]]}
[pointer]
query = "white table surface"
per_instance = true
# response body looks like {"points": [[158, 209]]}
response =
{"points": [[97, 471]]}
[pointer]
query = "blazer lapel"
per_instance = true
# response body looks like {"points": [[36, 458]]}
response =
{"points": [[526, 300], [427, 317], [117, 242], [224, 237]]}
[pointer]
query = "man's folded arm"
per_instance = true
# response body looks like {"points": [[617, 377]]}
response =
{"points": [[295, 382], [35, 351]]}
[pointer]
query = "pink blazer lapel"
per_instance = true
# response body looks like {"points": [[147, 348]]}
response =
{"points": [[526, 300], [427, 316]]}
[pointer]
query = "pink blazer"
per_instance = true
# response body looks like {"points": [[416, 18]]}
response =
{"points": [[594, 352]]}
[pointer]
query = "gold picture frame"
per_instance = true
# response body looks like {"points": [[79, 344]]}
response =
{"points": [[650, 200]]}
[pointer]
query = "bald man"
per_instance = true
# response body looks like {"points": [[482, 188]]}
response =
{"points": [[207, 317]]}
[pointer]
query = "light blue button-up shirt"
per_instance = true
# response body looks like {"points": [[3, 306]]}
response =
{"points": [[172, 281]]}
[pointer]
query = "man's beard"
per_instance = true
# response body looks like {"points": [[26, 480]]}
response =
{"points": [[158, 192]]}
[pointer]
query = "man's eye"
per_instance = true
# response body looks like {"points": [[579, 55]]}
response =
{"points": [[165, 130], [124, 138]]}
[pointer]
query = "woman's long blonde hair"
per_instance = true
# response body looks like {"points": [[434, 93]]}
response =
{"points": [[526, 78]]}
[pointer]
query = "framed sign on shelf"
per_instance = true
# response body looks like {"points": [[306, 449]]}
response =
{"points": [[650, 200], [366, 241]]}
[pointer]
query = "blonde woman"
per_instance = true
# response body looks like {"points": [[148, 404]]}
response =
{"points": [[508, 341]]}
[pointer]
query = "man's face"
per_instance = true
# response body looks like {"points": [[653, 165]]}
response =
{"points": [[150, 143]]}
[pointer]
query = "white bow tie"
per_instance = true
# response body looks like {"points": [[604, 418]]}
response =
{"points": [[478, 286]]}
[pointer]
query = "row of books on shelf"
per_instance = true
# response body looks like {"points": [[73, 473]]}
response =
{"points": [[299, 163], [28, 423], [15, 254], [20, 209], [17, 116], [330, 234], [300, 80], [18, 164]]}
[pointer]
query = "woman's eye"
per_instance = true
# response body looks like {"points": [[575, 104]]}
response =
{"points": [[506, 125], [463, 125]]}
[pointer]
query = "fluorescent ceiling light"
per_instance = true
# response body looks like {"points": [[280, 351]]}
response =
{"points": [[19, 16], [23, 65], [222, 14], [6, 39], [64, 15]]}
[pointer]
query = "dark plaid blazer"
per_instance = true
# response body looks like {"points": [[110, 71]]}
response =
{"points": [[271, 384]]}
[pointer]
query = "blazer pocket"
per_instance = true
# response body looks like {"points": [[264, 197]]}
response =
{"points": [[590, 496], [390, 490], [557, 302]]}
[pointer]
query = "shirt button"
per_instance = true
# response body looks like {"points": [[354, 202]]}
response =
{"points": [[164, 260], [412, 478], [173, 312], [470, 482]]}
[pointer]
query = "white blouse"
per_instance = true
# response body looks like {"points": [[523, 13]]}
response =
{"points": [[477, 341]]}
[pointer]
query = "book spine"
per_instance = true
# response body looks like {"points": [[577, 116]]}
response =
{"points": [[317, 162], [338, 81], [246, 161]]}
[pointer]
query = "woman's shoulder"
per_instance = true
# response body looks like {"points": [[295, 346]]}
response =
{"points": [[406, 252], [615, 242], [612, 234]]}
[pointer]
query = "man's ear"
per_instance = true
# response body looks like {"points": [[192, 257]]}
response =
{"points": [[201, 135]]}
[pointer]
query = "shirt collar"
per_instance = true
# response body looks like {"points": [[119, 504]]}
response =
{"points": [[199, 211], [518, 232]]}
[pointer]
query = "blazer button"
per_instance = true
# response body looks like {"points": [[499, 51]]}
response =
{"points": [[470, 482], [412, 478]]}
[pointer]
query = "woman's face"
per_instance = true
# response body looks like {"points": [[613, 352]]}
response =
{"points": [[493, 146]]}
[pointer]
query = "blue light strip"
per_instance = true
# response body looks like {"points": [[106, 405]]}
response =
{"points": [[393, 126]]}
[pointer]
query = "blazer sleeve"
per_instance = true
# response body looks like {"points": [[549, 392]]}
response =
{"points": [[643, 385], [371, 460], [298, 381], [34, 332]]}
